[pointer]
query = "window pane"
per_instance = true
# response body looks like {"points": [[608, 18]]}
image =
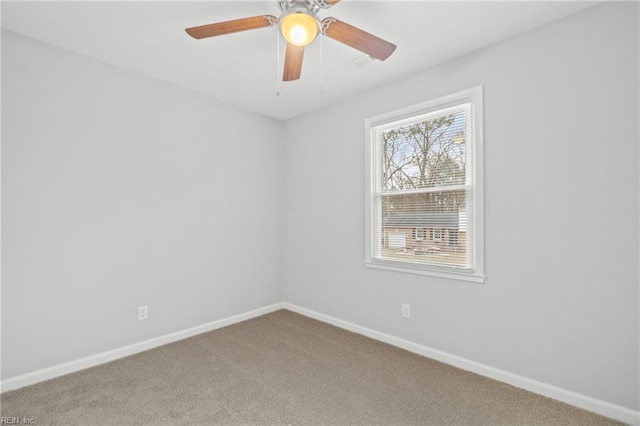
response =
{"points": [[438, 215], [425, 153]]}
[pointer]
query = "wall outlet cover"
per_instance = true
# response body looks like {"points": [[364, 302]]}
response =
{"points": [[406, 311], [143, 312]]}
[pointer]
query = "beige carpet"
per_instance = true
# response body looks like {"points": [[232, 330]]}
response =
{"points": [[283, 368]]}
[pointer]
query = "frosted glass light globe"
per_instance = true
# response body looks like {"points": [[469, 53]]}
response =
{"points": [[299, 28]]}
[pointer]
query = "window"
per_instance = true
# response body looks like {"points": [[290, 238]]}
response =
{"points": [[453, 238], [425, 170]]}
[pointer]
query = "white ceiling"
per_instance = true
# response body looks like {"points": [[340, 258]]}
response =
{"points": [[240, 69]]}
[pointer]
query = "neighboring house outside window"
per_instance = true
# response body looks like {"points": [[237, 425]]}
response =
{"points": [[453, 237], [425, 191]]}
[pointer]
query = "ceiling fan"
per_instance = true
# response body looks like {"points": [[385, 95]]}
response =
{"points": [[299, 25]]}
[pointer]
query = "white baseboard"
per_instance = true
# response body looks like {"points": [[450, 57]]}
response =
{"points": [[604, 408], [93, 360], [588, 403]]}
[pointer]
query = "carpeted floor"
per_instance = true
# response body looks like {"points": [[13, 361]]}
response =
{"points": [[283, 368]]}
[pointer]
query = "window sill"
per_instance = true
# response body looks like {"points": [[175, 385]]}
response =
{"points": [[419, 270]]}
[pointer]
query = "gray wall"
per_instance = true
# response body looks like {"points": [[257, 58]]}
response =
{"points": [[560, 304], [119, 191]]}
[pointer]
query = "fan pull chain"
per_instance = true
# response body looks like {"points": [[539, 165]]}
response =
{"points": [[277, 62], [321, 67]]}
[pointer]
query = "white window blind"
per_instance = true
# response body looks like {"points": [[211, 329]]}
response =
{"points": [[423, 171]]}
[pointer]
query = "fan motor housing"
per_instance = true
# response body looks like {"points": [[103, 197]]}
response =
{"points": [[310, 6]]}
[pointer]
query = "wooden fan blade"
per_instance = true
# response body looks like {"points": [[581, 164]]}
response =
{"points": [[227, 27], [357, 38], [293, 62]]}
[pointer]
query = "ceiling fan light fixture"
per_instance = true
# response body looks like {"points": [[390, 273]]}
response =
{"points": [[299, 24], [299, 28]]}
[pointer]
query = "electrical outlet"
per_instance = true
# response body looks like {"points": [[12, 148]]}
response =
{"points": [[406, 311], [143, 312]]}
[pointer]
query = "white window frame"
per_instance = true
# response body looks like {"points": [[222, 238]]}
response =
{"points": [[419, 234], [474, 206], [439, 232]]}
